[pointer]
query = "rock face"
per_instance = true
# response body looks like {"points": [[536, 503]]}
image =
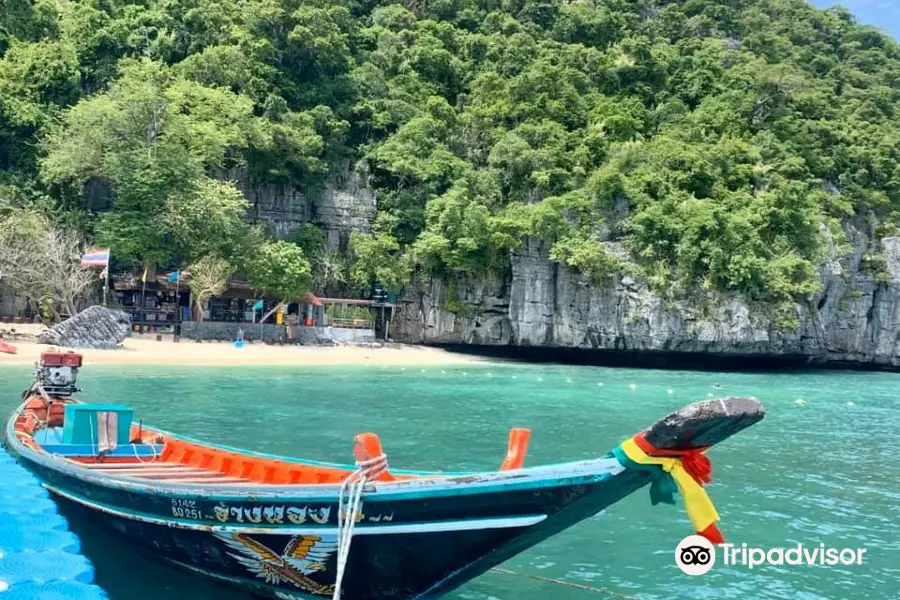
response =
{"points": [[854, 320], [10, 302], [94, 327], [344, 205]]}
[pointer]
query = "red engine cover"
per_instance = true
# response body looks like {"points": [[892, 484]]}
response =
{"points": [[60, 359]]}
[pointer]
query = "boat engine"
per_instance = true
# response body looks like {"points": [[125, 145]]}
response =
{"points": [[56, 373]]}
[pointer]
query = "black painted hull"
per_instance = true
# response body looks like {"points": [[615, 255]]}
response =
{"points": [[386, 567], [439, 544]]}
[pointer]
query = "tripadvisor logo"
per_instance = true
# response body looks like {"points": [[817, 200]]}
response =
{"points": [[696, 555]]}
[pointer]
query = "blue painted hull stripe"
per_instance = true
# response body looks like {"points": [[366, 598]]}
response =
{"points": [[360, 529]]}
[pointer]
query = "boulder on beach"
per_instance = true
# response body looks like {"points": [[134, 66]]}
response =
{"points": [[94, 327]]}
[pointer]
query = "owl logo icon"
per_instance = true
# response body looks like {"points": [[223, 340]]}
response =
{"points": [[695, 555]]}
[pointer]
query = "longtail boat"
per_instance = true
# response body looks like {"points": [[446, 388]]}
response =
{"points": [[285, 528]]}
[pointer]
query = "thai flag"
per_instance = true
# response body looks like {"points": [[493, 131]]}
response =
{"points": [[95, 257]]}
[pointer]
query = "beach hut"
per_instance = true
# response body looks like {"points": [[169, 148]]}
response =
{"points": [[154, 303], [310, 311]]}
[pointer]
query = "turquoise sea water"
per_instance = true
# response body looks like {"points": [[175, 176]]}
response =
{"points": [[825, 472]]}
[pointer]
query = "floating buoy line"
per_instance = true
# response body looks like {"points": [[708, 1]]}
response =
{"points": [[572, 584], [632, 386]]}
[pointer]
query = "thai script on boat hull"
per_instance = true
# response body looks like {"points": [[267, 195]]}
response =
{"points": [[268, 514]]}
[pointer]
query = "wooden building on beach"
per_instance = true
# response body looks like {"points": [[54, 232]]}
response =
{"points": [[159, 305]]}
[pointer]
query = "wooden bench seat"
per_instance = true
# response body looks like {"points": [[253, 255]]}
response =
{"points": [[164, 471]]}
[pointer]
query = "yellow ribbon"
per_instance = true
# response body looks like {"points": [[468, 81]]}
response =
{"points": [[699, 507]]}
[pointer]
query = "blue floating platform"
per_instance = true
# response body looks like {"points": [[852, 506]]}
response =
{"points": [[55, 590], [18, 539], [39, 557]]}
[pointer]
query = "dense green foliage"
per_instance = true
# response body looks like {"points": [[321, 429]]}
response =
{"points": [[719, 140], [281, 269]]}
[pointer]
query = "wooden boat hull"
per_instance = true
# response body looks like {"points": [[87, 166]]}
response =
{"points": [[403, 547], [403, 563], [413, 538]]}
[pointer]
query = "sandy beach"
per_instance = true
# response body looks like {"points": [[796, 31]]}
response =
{"points": [[146, 351]]}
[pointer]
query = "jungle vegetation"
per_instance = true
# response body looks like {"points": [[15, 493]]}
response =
{"points": [[718, 142]]}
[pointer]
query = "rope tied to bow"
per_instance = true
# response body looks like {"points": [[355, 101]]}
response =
{"points": [[682, 471], [368, 468]]}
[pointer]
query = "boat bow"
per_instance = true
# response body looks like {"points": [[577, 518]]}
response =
{"points": [[672, 451]]}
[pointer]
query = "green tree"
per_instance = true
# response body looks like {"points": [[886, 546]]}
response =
{"points": [[281, 269], [328, 266], [311, 240], [208, 219], [207, 277], [378, 258], [151, 138]]}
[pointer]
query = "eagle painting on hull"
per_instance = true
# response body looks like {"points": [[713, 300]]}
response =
{"points": [[302, 556]]}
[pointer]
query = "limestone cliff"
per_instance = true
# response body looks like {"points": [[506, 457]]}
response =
{"points": [[343, 205], [855, 319]]}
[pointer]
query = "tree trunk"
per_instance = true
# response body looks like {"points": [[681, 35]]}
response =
{"points": [[198, 310], [69, 304]]}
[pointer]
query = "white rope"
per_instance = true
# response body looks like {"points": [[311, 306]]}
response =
{"points": [[152, 449], [93, 453], [368, 470]]}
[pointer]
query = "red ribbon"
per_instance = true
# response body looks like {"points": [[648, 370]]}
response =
{"points": [[697, 466], [713, 534]]}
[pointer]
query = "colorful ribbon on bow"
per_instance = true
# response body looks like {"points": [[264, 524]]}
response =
{"points": [[683, 471]]}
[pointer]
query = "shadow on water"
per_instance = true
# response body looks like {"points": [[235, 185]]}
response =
{"points": [[662, 360], [122, 567]]}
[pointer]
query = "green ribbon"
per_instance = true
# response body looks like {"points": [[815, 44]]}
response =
{"points": [[662, 485]]}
